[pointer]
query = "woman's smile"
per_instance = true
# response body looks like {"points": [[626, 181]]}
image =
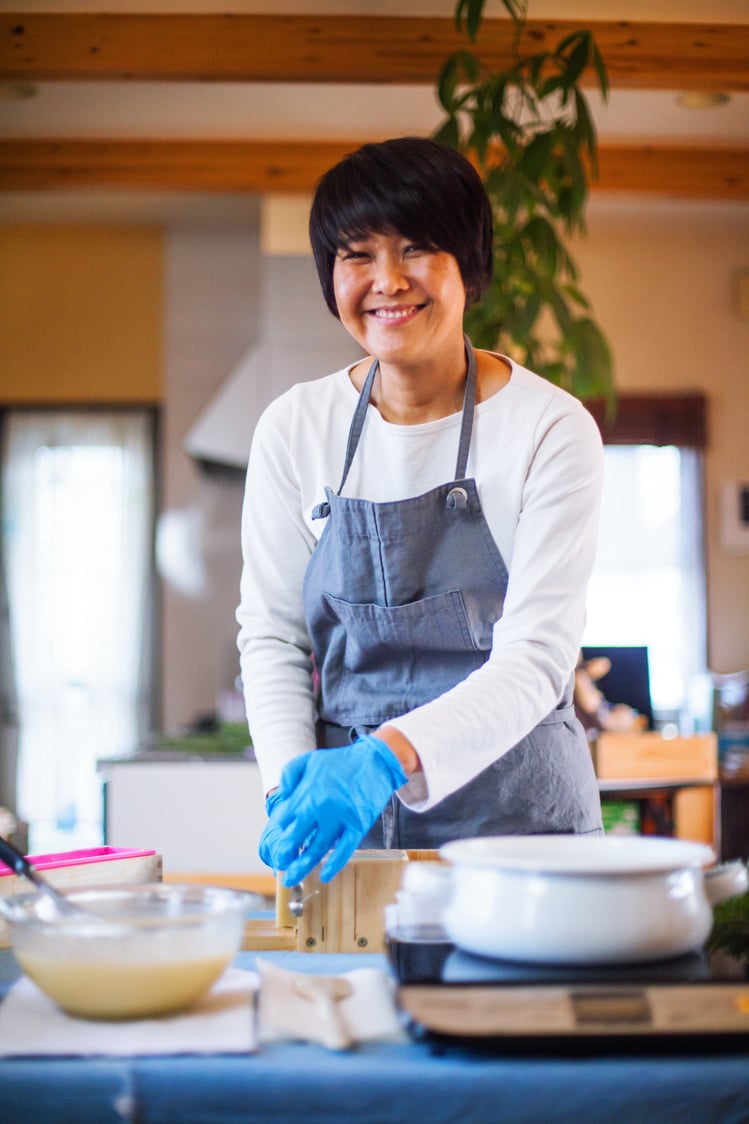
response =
{"points": [[396, 315], [401, 301]]}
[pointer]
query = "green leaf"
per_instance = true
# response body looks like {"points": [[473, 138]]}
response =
{"points": [[573, 193], [577, 62], [559, 307], [567, 266], [593, 368], [460, 68], [448, 133], [528, 314], [577, 296], [601, 72], [536, 156], [535, 66], [551, 85], [542, 237], [499, 90], [569, 41], [447, 82], [509, 134], [470, 13], [584, 128], [480, 137], [470, 66]]}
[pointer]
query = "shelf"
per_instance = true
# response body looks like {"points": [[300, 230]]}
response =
{"points": [[685, 769]]}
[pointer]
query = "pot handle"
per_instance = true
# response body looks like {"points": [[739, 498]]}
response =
{"points": [[726, 880]]}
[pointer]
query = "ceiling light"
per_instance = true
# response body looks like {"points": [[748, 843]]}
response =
{"points": [[701, 99]]}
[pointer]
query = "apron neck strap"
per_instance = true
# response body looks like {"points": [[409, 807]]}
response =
{"points": [[469, 407], [466, 426]]}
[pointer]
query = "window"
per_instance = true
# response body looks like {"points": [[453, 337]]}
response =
{"points": [[648, 585], [77, 536]]}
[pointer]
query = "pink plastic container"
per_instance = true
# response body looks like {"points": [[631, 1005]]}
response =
{"points": [[78, 858]]}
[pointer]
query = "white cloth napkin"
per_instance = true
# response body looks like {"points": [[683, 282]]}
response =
{"points": [[221, 1023], [337, 1011]]}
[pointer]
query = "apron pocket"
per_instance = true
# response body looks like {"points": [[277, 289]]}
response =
{"points": [[433, 624]]}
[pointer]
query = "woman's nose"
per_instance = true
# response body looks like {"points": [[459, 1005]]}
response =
{"points": [[389, 276]]}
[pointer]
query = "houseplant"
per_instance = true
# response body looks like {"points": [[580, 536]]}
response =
{"points": [[529, 131]]}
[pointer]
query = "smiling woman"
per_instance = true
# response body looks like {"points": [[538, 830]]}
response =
{"points": [[408, 639], [77, 528]]}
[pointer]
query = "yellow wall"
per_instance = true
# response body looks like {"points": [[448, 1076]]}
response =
{"points": [[81, 314]]}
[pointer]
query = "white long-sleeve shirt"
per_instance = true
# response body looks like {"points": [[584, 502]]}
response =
{"points": [[536, 456]]}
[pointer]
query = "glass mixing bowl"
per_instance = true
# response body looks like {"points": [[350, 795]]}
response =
{"points": [[135, 951]]}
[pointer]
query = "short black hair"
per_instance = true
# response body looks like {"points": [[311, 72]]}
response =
{"points": [[412, 186]]}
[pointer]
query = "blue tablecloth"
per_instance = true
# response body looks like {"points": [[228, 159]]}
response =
{"points": [[380, 1083]]}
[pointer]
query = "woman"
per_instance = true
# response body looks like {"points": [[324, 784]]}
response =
{"points": [[420, 623]]}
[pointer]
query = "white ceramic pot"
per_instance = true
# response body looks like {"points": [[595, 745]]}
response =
{"points": [[576, 899]]}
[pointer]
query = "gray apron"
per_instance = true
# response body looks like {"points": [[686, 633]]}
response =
{"points": [[400, 600]]}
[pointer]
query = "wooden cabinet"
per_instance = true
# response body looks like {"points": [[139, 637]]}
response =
{"points": [[680, 771]]}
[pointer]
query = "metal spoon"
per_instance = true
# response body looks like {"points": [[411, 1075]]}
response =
{"points": [[298, 898]]}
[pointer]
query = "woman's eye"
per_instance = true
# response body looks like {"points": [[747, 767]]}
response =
{"points": [[353, 255]]}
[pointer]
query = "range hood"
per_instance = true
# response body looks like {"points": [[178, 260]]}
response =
{"points": [[299, 340], [222, 434]]}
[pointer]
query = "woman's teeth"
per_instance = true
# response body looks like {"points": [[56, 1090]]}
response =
{"points": [[393, 313]]}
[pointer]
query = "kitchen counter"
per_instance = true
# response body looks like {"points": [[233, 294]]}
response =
{"points": [[382, 1082]]}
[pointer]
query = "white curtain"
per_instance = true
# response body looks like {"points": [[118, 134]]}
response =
{"points": [[78, 515]]}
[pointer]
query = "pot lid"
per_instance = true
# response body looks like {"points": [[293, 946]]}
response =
{"points": [[578, 854]]}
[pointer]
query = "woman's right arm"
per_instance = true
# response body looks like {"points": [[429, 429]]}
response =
{"points": [[274, 646]]}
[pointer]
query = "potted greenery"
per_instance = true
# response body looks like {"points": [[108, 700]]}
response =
{"points": [[730, 934], [530, 133]]}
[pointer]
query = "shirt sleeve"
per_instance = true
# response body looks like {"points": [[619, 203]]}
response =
{"points": [[537, 638], [274, 646]]}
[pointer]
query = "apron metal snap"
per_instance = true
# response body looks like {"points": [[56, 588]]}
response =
{"points": [[457, 499]]}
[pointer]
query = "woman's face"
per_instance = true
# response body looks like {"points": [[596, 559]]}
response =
{"points": [[403, 303]]}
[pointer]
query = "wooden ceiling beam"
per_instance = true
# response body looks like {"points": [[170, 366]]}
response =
{"points": [[720, 173], [77, 46]]}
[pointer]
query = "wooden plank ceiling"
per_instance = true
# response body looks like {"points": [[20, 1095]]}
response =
{"points": [[332, 49]]}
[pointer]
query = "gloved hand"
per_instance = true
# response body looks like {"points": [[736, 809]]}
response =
{"points": [[272, 835], [271, 845], [329, 799]]}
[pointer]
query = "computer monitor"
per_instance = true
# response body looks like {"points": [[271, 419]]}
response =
{"points": [[628, 681]]}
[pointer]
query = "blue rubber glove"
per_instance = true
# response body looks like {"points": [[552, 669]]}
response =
{"points": [[272, 836], [272, 841], [329, 800]]}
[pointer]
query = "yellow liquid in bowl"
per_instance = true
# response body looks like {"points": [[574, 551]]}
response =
{"points": [[125, 989]]}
